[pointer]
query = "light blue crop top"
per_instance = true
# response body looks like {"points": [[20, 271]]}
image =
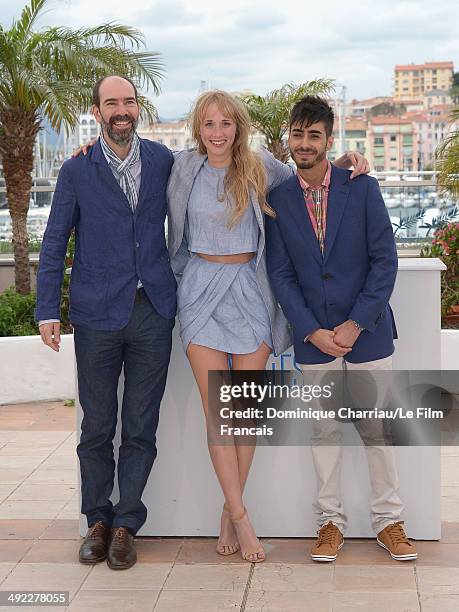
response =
{"points": [[207, 221]]}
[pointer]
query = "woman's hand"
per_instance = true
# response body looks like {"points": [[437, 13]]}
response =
{"points": [[353, 159], [84, 148]]}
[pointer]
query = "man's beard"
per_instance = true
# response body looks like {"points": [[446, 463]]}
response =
{"points": [[307, 165], [120, 137]]}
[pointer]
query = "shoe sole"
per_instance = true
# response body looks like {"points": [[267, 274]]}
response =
{"points": [[411, 557], [93, 562], [121, 567], [325, 558]]}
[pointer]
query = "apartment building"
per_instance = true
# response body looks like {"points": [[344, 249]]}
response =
{"points": [[86, 130], [176, 135], [355, 137], [431, 128], [411, 81], [392, 144]]}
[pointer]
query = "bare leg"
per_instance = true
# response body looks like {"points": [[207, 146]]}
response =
{"points": [[245, 452], [250, 361], [224, 458]]}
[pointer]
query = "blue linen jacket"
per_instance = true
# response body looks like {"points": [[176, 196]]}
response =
{"points": [[353, 280], [114, 247]]}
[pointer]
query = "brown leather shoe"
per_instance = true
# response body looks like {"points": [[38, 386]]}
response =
{"points": [[121, 552], [95, 545]]}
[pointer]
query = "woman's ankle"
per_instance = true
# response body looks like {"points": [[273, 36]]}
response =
{"points": [[236, 511]]}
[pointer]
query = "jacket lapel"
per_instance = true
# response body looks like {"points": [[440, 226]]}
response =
{"points": [[297, 208], [337, 200], [184, 172], [147, 176], [106, 174]]}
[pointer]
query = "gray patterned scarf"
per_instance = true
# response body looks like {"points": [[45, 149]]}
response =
{"points": [[121, 168]]}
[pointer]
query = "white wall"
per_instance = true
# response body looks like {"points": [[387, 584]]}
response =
{"points": [[31, 371], [450, 349]]}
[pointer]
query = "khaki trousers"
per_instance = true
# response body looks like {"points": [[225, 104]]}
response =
{"points": [[385, 503]]}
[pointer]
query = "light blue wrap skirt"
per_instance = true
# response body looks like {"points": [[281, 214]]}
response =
{"points": [[220, 306]]}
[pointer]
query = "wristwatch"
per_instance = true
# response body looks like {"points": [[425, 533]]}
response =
{"points": [[359, 327]]}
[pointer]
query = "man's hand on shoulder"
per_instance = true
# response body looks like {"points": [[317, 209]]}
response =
{"points": [[346, 334], [51, 335], [323, 339]]}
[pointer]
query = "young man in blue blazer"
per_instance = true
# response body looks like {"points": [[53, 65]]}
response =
{"points": [[122, 307], [332, 263]]}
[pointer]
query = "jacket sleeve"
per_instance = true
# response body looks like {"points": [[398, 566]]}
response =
{"points": [[180, 260], [63, 218], [382, 252], [276, 171], [284, 283]]}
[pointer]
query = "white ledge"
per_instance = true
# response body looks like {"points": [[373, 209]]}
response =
{"points": [[420, 263]]}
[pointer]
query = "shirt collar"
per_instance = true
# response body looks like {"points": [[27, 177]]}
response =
{"points": [[325, 183]]}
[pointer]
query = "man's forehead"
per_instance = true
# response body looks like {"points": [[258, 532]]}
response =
{"points": [[314, 127], [113, 87]]}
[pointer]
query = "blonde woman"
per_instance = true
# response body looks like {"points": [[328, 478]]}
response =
{"points": [[217, 199]]}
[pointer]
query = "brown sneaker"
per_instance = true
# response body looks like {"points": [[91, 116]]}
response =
{"points": [[394, 540], [95, 545], [328, 543]]}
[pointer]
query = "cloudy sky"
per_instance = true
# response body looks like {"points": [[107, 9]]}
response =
{"points": [[262, 44]]}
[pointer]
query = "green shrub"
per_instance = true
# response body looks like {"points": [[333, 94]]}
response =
{"points": [[17, 314], [17, 311]]}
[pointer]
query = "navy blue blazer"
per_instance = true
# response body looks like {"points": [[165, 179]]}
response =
{"points": [[114, 247], [353, 280]]}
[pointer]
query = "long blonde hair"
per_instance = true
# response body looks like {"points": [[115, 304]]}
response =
{"points": [[246, 171]]}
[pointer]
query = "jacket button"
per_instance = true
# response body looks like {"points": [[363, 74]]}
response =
{"points": [[137, 244], [326, 276]]}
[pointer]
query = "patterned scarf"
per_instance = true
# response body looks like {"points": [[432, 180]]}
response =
{"points": [[122, 168]]}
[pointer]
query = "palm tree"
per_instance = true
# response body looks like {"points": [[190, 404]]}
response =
{"points": [[49, 73], [269, 114], [447, 162]]}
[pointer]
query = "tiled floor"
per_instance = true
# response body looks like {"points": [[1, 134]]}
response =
{"points": [[39, 544]]}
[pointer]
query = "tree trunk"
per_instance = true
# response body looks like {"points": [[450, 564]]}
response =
{"points": [[18, 131], [279, 150]]}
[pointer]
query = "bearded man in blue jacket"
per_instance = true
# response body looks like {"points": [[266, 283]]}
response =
{"points": [[122, 307]]}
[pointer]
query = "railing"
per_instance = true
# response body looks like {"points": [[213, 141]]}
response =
{"points": [[416, 205], [414, 200]]}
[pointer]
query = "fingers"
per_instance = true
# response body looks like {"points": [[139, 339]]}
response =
{"points": [[340, 351], [49, 337], [360, 163], [57, 333]]}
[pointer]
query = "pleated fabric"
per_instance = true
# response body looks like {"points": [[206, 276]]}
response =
{"points": [[220, 306]]}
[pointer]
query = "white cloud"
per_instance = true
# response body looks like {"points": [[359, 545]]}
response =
{"points": [[262, 44]]}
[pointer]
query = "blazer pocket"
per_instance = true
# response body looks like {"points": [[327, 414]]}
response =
{"points": [[88, 290]]}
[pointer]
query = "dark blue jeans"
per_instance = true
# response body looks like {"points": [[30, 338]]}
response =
{"points": [[144, 348]]}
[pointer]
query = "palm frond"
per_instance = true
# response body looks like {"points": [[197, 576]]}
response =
{"points": [[29, 15], [270, 113]]}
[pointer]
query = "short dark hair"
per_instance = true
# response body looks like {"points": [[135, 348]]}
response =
{"points": [[312, 109], [96, 89]]}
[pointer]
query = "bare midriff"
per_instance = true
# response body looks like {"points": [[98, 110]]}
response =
{"points": [[236, 258]]}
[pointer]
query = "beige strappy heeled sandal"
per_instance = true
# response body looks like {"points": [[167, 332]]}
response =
{"points": [[227, 549], [256, 556]]}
